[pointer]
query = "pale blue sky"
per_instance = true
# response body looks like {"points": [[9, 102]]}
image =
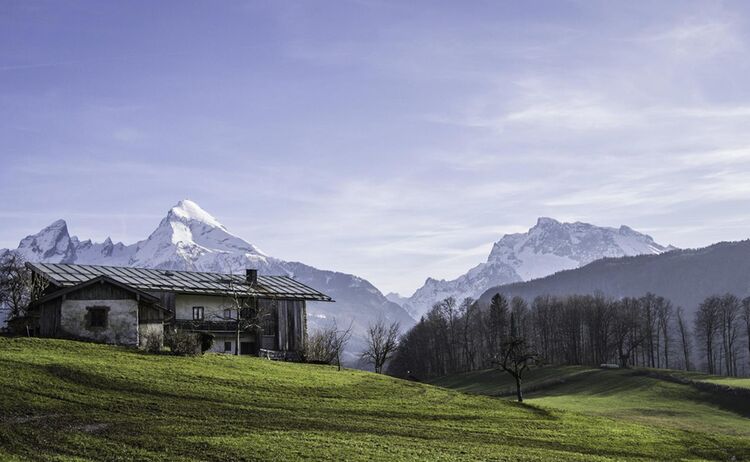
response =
{"points": [[394, 140]]}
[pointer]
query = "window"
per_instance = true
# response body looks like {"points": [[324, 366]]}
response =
{"points": [[227, 314], [97, 316], [227, 347], [197, 313]]}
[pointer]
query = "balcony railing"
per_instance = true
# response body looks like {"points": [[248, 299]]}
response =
{"points": [[188, 324]]}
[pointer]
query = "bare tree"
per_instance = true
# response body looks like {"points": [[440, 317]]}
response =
{"points": [[684, 337], [707, 323], [468, 309], [626, 330], [729, 317], [382, 342], [19, 286], [664, 318], [649, 307], [327, 344], [450, 312], [746, 318], [515, 356], [241, 310]]}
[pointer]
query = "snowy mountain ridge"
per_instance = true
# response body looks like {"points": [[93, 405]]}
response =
{"points": [[189, 238], [546, 248]]}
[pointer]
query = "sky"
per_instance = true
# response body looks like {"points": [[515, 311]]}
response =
{"points": [[393, 140]]}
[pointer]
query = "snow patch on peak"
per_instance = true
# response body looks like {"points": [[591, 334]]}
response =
{"points": [[546, 248], [190, 211]]}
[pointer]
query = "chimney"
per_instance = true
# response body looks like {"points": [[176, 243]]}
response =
{"points": [[251, 276]]}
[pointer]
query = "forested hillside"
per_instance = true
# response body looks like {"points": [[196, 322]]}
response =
{"points": [[685, 277]]}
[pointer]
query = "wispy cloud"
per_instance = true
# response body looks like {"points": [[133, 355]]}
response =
{"points": [[388, 139]]}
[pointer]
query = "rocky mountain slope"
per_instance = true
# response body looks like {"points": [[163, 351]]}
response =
{"points": [[548, 247], [189, 238]]}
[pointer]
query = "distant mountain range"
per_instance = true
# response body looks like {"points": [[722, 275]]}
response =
{"points": [[548, 247], [551, 258], [189, 238], [686, 277]]}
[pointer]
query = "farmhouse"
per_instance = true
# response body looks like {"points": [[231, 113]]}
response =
{"points": [[247, 314]]}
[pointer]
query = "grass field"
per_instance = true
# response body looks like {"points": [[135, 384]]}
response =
{"points": [[70, 401], [624, 395], [733, 382]]}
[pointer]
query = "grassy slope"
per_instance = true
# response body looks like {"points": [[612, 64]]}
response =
{"points": [[734, 382], [62, 400], [625, 395]]}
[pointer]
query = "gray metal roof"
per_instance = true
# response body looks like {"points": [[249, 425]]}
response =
{"points": [[183, 282]]}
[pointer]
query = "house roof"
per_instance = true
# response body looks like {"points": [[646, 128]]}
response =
{"points": [[99, 279], [183, 282]]}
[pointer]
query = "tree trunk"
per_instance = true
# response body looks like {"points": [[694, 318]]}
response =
{"points": [[519, 393], [237, 340]]}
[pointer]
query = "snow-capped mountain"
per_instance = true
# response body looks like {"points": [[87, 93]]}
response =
{"points": [[548, 247], [189, 238]]}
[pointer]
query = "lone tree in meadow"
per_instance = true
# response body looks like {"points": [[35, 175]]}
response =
{"points": [[515, 356], [382, 342]]}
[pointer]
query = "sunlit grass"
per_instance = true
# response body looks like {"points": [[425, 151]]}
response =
{"points": [[624, 395], [68, 401]]}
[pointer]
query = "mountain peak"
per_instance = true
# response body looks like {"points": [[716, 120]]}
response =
{"points": [[53, 243], [546, 248], [56, 225], [546, 221], [187, 210]]}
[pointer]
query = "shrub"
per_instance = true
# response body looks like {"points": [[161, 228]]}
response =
{"points": [[183, 343], [321, 346], [153, 341], [207, 341]]}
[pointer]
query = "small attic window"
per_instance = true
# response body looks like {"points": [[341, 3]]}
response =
{"points": [[168, 274], [225, 280]]}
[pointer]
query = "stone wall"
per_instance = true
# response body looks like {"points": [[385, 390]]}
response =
{"points": [[121, 326]]}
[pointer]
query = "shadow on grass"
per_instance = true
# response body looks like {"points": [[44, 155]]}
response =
{"points": [[177, 423], [736, 400]]}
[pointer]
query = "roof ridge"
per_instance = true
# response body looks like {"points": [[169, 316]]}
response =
{"points": [[66, 275]]}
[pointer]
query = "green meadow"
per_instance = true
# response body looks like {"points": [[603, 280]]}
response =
{"points": [[642, 397], [69, 401]]}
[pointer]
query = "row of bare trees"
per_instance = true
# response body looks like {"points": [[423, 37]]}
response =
{"points": [[647, 331], [327, 344], [721, 324]]}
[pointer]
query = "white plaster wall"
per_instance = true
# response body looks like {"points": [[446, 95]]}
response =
{"points": [[122, 321], [219, 339], [145, 329], [214, 306], [218, 346]]}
